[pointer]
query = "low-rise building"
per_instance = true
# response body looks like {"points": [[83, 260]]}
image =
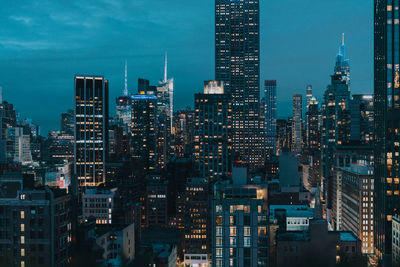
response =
{"points": [[297, 217], [98, 203]]}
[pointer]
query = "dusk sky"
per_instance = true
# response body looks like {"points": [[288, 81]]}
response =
{"points": [[43, 44]]}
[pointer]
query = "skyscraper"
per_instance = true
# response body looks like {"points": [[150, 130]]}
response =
{"points": [[362, 118], [313, 126], [297, 122], [124, 103], [270, 116], [335, 112], [144, 130], [91, 130], [213, 141], [237, 64], [387, 121], [309, 94]]}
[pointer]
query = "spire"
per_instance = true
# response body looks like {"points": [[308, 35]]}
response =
{"points": [[342, 38], [1, 94], [126, 79], [165, 67]]}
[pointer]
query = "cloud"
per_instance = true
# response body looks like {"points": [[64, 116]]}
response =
{"points": [[22, 19], [25, 45]]}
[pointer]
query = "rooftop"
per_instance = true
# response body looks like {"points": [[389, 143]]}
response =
{"points": [[348, 237]]}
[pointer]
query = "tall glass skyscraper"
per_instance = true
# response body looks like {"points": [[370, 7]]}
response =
{"points": [[91, 130], [237, 64], [387, 121], [270, 115]]}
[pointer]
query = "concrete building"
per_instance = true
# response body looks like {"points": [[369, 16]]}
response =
{"points": [[396, 240], [297, 217], [156, 201], [318, 245], [297, 134], [239, 226], [99, 203], [35, 224]]}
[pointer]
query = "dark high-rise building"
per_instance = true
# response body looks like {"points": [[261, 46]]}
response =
{"points": [[362, 118], [183, 131], [144, 130], [313, 126], [309, 95], [196, 222], [270, 115], [68, 122], [91, 130], [335, 113], [35, 224], [387, 121], [237, 64], [213, 153], [297, 122], [281, 136]]}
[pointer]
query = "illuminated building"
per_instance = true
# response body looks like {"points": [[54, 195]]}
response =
{"points": [[144, 130], [91, 130], [36, 224], [335, 114], [183, 131], [156, 201], [357, 203], [309, 95], [297, 122], [124, 103], [387, 122], [8, 118], [239, 220], [196, 223], [313, 126], [362, 118], [18, 146], [68, 122], [99, 203], [237, 64], [270, 115], [212, 150]]}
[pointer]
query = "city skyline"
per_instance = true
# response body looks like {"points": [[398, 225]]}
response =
{"points": [[57, 51]]}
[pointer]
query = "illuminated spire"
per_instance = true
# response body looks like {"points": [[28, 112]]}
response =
{"points": [[342, 38], [126, 79], [165, 67]]}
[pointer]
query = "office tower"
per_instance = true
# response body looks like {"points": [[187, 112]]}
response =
{"points": [[239, 235], [18, 146], [344, 156], [213, 154], [124, 103], [165, 94], [183, 131], [309, 95], [387, 121], [144, 130], [36, 224], [8, 119], [297, 122], [313, 126], [91, 130], [270, 115], [196, 222], [68, 122], [362, 118], [237, 64], [357, 201], [335, 113], [156, 201]]}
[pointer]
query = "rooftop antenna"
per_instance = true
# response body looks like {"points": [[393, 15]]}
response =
{"points": [[126, 79], [166, 66]]}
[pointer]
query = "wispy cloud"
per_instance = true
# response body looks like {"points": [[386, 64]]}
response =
{"points": [[22, 19], [25, 45]]}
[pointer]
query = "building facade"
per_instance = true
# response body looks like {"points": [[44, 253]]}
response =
{"points": [[91, 130], [213, 140], [237, 64], [362, 118], [270, 116], [297, 123], [387, 121]]}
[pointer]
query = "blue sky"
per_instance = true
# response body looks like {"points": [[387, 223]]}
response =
{"points": [[44, 43]]}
